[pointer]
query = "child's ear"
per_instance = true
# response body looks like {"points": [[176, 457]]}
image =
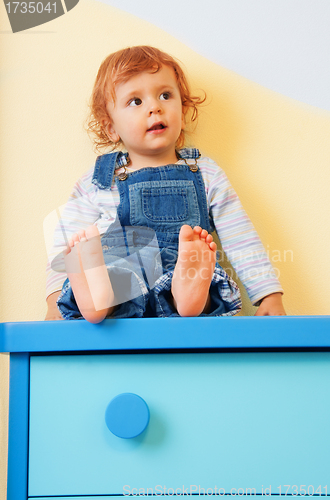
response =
{"points": [[111, 133]]}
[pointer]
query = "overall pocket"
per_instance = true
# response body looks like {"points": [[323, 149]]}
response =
{"points": [[164, 205]]}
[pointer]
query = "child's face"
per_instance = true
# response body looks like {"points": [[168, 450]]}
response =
{"points": [[148, 116]]}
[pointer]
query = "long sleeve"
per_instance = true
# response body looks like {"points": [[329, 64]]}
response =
{"points": [[237, 235]]}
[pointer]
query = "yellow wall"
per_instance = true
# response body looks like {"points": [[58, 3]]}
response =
{"points": [[275, 151]]}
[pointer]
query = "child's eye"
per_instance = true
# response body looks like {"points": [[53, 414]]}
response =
{"points": [[136, 101], [165, 96]]}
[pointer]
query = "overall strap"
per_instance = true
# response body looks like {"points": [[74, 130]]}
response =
{"points": [[193, 153], [105, 166]]}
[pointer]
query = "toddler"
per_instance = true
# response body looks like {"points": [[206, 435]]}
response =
{"points": [[139, 222]]}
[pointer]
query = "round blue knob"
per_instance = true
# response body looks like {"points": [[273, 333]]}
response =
{"points": [[127, 415]]}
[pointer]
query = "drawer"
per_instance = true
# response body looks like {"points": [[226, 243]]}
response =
{"points": [[217, 420]]}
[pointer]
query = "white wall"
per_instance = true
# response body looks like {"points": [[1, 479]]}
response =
{"points": [[281, 44]]}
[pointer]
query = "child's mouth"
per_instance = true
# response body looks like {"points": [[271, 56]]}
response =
{"points": [[157, 127]]}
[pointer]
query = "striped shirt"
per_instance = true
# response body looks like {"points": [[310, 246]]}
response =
{"points": [[89, 205]]}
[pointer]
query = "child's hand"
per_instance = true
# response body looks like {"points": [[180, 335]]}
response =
{"points": [[53, 313], [271, 306]]}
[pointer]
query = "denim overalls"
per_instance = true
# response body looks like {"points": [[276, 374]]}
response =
{"points": [[140, 248]]}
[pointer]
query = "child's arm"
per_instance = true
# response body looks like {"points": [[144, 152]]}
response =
{"points": [[241, 243], [271, 306], [53, 313]]}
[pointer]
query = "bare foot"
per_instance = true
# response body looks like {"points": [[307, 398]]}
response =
{"points": [[88, 275], [193, 271]]}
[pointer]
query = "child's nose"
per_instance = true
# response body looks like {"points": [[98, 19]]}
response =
{"points": [[155, 108]]}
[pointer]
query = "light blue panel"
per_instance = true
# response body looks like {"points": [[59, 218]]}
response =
{"points": [[242, 420]]}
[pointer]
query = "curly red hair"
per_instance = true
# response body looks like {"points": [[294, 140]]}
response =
{"points": [[118, 68]]}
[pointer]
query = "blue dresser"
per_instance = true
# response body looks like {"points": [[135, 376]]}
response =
{"points": [[225, 407]]}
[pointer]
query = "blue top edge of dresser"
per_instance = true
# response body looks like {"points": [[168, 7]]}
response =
{"points": [[266, 332]]}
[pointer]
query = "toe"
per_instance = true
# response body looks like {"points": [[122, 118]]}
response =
{"points": [[213, 246], [67, 249], [197, 232], [186, 233], [81, 235], [209, 238], [92, 232], [204, 234], [74, 239]]}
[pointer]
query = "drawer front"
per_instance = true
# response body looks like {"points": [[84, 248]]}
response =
{"points": [[217, 420]]}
